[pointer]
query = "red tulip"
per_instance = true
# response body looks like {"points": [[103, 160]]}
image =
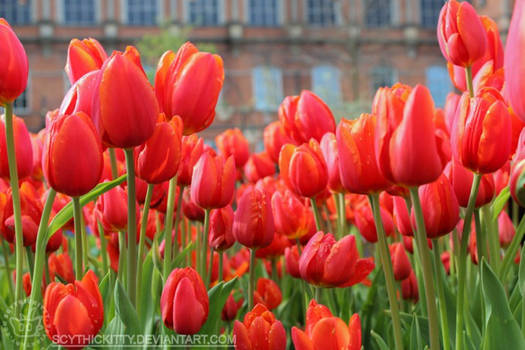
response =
{"points": [[483, 136], [304, 169], [292, 217], [259, 330], [259, 166], [157, 160], [221, 229], [400, 261], [79, 97], [72, 157], [330, 263], [112, 210], [357, 165], [61, 265], [325, 331], [364, 221], [190, 209], [73, 313], [274, 138], [506, 229], [402, 218], [331, 155], [188, 84], [291, 257], [267, 293], [23, 149], [461, 180], [233, 143], [253, 224], [461, 35], [192, 148], [83, 56], [276, 249], [231, 307], [213, 181], [124, 104], [409, 289], [184, 301], [14, 66]]}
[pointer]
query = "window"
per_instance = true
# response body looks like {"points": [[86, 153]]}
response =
{"points": [[264, 13], [81, 13], [267, 88], [438, 83], [16, 12], [142, 12], [21, 105], [382, 76], [326, 83], [378, 13], [430, 12], [321, 12], [203, 12]]}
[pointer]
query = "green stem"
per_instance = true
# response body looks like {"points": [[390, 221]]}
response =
{"points": [[462, 261], [221, 257], [251, 285], [468, 76], [342, 212], [480, 239], [79, 272], [177, 222], [494, 250], [386, 262], [204, 247], [510, 254], [317, 215], [441, 296], [103, 247], [142, 238], [113, 162], [85, 246], [132, 228], [426, 265], [122, 256], [13, 179], [40, 257], [30, 257], [5, 249], [208, 275], [168, 226]]}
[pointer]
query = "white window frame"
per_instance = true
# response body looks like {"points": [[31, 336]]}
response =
{"points": [[32, 13], [279, 88], [280, 14], [338, 19], [22, 111], [221, 15], [59, 14], [124, 14], [337, 71]]}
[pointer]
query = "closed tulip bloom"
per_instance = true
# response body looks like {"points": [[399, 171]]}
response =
{"points": [[292, 217], [79, 97], [400, 261], [275, 249], [357, 166], [402, 218], [83, 56], [188, 84], [192, 148], [461, 35], [304, 169], [231, 307], [325, 331], [112, 209], [506, 229], [440, 207], [14, 67], [259, 330], [483, 141], [291, 257], [157, 160], [364, 221], [221, 229], [409, 288], [61, 265], [253, 224], [274, 137], [73, 313], [68, 137], [124, 104], [213, 181], [461, 180], [331, 155], [330, 263], [267, 293], [259, 166], [190, 209], [184, 301], [23, 149], [233, 143]]}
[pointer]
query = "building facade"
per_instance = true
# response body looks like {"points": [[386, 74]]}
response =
{"points": [[343, 50]]}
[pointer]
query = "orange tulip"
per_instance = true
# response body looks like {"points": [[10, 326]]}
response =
{"points": [[292, 217], [461, 180], [267, 293], [364, 221], [274, 138], [259, 166], [259, 330], [192, 148], [331, 155], [79, 98], [213, 181], [23, 149], [233, 143], [13, 67], [83, 56]]}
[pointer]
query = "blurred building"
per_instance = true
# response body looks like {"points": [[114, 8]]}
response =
{"points": [[343, 50]]}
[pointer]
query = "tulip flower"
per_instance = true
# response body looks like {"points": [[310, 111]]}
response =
{"points": [[112, 210], [79, 97], [213, 181], [124, 104], [461, 36], [400, 261], [325, 331], [221, 229], [190, 209], [306, 116], [70, 136], [192, 148], [483, 136], [233, 143], [364, 221], [73, 313], [231, 307], [304, 169], [23, 149], [188, 84], [330, 263], [506, 229], [61, 265], [409, 288], [331, 155], [357, 165], [253, 224], [259, 166], [14, 67], [276, 249], [184, 301], [267, 293], [274, 138], [292, 217], [157, 160], [291, 257], [461, 180], [259, 330], [83, 56]]}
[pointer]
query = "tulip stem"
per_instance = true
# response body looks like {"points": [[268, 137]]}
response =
{"points": [[462, 261], [317, 215], [342, 213], [208, 275], [441, 296], [386, 262], [5, 248], [103, 247], [494, 247], [204, 246], [132, 228], [468, 78], [480, 241], [113, 163], [426, 265], [318, 294], [510, 253], [121, 256], [177, 222], [142, 238], [251, 285], [221, 262], [13, 179], [168, 226], [30, 257], [78, 238], [40, 256]]}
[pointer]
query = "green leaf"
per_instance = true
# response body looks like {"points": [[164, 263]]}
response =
{"points": [[499, 203], [217, 295], [521, 275], [501, 331], [380, 342], [179, 260], [66, 213], [125, 310], [106, 290], [415, 334]]}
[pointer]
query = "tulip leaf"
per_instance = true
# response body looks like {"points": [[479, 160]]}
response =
{"points": [[66, 213], [499, 203], [415, 334], [149, 294], [380, 342], [179, 260], [217, 295], [521, 276], [106, 290], [125, 310], [501, 329]]}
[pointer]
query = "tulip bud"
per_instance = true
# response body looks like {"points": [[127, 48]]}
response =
{"points": [[259, 166], [233, 143], [83, 56], [461, 180], [14, 67], [409, 289], [112, 210], [190, 209], [221, 229], [331, 155], [61, 265], [292, 217], [184, 301], [364, 221], [506, 229], [79, 97], [275, 249], [231, 307], [291, 257], [192, 148], [23, 149], [400, 261], [259, 329], [267, 293], [274, 138]]}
